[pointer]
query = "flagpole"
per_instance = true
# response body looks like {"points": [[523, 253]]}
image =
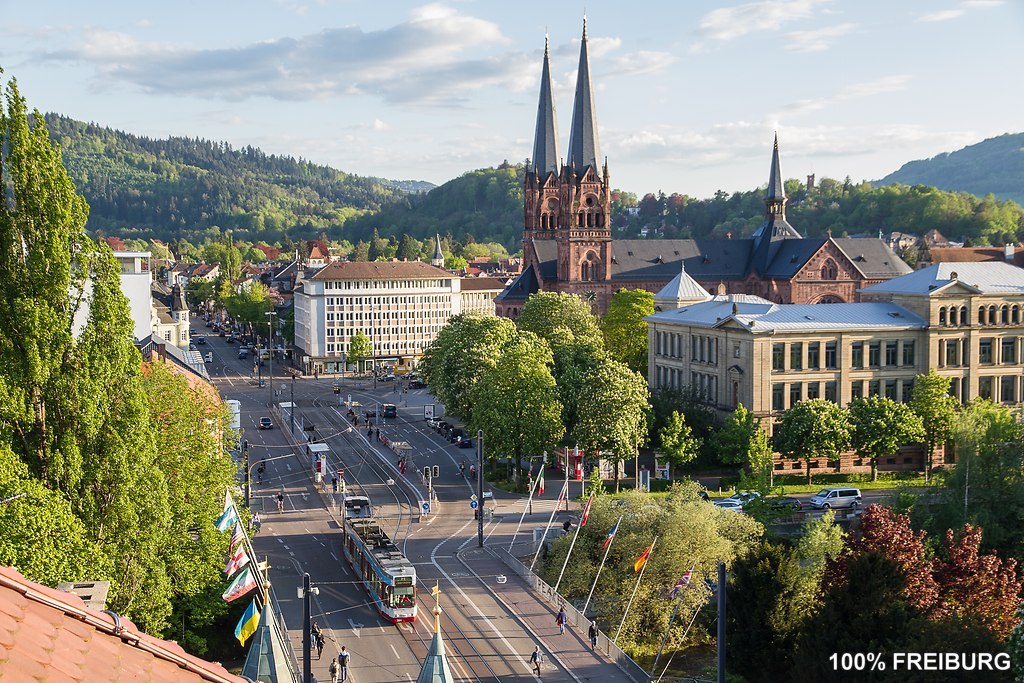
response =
{"points": [[607, 549], [669, 662], [638, 579], [672, 618], [529, 502], [566, 480], [550, 520], [571, 546]]}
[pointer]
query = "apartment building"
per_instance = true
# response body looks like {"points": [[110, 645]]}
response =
{"points": [[400, 306]]}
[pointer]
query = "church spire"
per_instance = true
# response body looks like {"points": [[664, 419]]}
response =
{"points": [[435, 665], [776, 197], [438, 258], [583, 143], [545, 139]]}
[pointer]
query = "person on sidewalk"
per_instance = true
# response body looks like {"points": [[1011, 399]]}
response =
{"points": [[592, 632], [343, 660], [319, 645], [333, 670], [535, 659], [560, 620]]}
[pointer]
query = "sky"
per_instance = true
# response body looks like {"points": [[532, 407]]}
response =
{"points": [[688, 94]]}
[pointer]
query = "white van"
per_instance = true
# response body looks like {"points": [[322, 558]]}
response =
{"points": [[838, 497]]}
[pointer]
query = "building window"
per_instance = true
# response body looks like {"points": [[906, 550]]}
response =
{"points": [[857, 355], [796, 356], [891, 353], [795, 393], [736, 350], [954, 388], [1007, 389], [778, 357], [1008, 354], [874, 354], [908, 390], [830, 392], [856, 390], [908, 353], [942, 317], [874, 387], [813, 390], [830, 355], [985, 387], [813, 355], [890, 389], [985, 351], [952, 353], [778, 397]]}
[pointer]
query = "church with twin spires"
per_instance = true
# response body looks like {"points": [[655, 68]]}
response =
{"points": [[568, 245]]}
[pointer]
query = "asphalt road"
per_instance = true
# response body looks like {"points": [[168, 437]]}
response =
{"points": [[485, 641]]}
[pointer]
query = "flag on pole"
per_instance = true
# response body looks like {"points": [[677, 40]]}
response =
{"points": [[586, 511], [236, 537], [237, 561], [540, 481], [611, 534], [642, 560], [435, 590], [248, 623], [682, 583], [240, 585], [229, 516]]}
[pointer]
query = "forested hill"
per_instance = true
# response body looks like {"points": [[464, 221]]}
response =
{"points": [[183, 187], [995, 165]]}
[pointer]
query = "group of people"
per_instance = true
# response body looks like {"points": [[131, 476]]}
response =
{"points": [[339, 665], [561, 619]]}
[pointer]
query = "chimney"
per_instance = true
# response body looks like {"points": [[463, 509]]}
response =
{"points": [[1008, 251]]}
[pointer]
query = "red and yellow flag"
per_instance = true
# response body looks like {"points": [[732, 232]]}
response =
{"points": [[642, 560]]}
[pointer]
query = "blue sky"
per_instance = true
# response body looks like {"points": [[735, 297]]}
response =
{"points": [[688, 94]]}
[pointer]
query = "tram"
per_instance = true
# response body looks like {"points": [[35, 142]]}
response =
{"points": [[387, 575]]}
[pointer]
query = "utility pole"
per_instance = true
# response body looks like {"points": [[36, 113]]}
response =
{"points": [[721, 622], [245, 458], [291, 418], [373, 349], [307, 666], [480, 487], [270, 345]]}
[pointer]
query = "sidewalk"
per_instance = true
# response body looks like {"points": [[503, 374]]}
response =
{"points": [[570, 651]]}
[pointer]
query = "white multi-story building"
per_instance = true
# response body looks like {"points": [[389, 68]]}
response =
{"points": [[136, 281], [400, 306]]}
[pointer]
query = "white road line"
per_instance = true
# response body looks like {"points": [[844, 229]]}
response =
{"points": [[335, 557], [395, 651], [291, 553]]}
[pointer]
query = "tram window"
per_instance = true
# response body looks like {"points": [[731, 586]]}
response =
{"points": [[403, 597]]}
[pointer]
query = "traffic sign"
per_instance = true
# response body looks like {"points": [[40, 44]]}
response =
{"points": [[426, 506], [473, 497], [473, 504]]}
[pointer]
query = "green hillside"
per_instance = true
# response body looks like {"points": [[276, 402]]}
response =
{"points": [[992, 166], [195, 189]]}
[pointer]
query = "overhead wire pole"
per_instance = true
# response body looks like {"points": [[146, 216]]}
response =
{"points": [[480, 487], [270, 345], [529, 505]]}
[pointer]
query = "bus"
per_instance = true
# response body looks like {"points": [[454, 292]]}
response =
{"points": [[387, 575]]}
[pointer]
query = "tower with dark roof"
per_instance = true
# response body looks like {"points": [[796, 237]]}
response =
{"points": [[775, 228], [438, 258], [540, 191]]}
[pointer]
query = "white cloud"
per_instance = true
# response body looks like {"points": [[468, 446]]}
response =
{"points": [[817, 40], [729, 23], [878, 86], [959, 11], [379, 125], [942, 15]]}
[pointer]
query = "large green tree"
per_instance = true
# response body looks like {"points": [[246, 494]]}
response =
{"points": [[880, 427], [613, 412], [625, 329], [931, 401], [516, 401], [558, 318], [359, 349], [813, 429], [678, 444]]}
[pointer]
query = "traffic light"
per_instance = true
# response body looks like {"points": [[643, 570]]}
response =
{"points": [[426, 472], [437, 471], [337, 390]]}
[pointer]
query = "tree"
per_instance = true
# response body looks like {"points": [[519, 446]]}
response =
{"points": [[742, 441], [931, 401], [677, 441], [625, 329], [573, 361], [408, 248], [762, 634], [359, 349], [881, 426], [613, 413], [557, 318], [517, 402], [813, 429]]}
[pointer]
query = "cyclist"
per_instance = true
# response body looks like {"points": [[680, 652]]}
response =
{"points": [[462, 469], [280, 502]]}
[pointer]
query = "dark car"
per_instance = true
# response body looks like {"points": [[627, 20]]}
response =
{"points": [[266, 423], [200, 340], [229, 340], [416, 384], [454, 435], [786, 503], [464, 442]]}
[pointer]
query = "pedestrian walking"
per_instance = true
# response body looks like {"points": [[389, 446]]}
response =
{"points": [[333, 670], [535, 659], [319, 645], [560, 620], [343, 660], [592, 632]]}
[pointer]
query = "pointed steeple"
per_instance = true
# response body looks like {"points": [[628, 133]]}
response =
{"points": [[775, 189], [584, 149], [435, 664], [545, 138], [438, 258], [680, 290], [775, 227]]}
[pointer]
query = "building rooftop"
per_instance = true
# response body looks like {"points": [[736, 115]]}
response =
{"points": [[470, 284], [380, 270], [987, 278]]}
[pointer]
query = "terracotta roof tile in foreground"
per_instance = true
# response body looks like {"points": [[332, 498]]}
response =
{"points": [[47, 635]]}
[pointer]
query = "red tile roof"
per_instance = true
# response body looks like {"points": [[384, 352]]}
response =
{"points": [[974, 255], [380, 270], [47, 635]]}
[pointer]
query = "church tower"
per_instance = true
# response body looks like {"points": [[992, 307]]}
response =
{"points": [[583, 237], [775, 228], [540, 194]]}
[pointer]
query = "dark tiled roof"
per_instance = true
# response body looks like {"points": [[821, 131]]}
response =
{"points": [[522, 287], [547, 254], [545, 137], [47, 635], [873, 257], [703, 259], [381, 270], [472, 284], [790, 256]]}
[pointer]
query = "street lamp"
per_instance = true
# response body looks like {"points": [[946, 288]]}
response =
{"points": [[291, 416], [270, 324]]}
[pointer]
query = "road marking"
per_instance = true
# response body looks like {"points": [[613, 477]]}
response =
{"points": [[336, 559], [395, 651], [291, 553], [356, 626]]}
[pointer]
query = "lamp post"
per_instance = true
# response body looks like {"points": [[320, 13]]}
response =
{"points": [[270, 345], [373, 349], [291, 417]]}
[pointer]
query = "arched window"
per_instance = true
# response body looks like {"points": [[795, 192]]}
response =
{"points": [[992, 315], [585, 270], [965, 319], [579, 220], [829, 271], [1015, 315], [1004, 315], [942, 316], [981, 315]]}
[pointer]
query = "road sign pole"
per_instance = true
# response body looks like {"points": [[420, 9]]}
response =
{"points": [[480, 487]]}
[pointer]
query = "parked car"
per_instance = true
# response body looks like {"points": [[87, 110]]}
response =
{"points": [[464, 442], [229, 340], [266, 423], [243, 354], [742, 498], [785, 503], [728, 504], [417, 384], [200, 340], [837, 497]]}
